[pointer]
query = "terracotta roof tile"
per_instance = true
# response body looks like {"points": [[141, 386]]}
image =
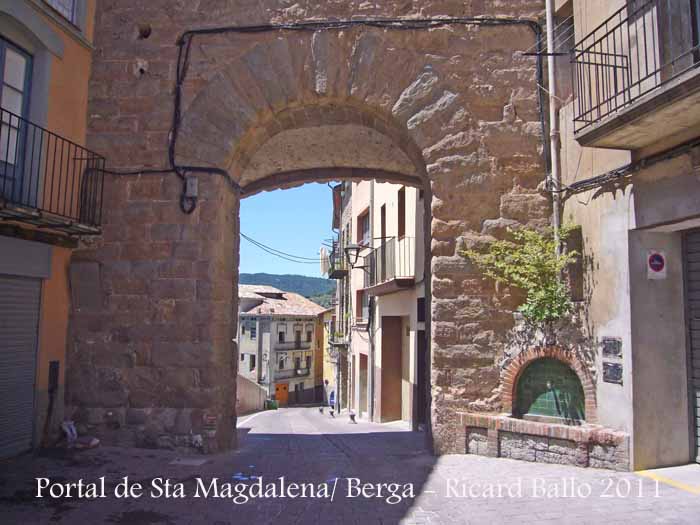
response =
{"points": [[288, 303]]}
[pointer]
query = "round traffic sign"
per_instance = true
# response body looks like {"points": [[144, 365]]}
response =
{"points": [[656, 262]]}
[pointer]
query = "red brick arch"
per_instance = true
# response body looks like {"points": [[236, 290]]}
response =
{"points": [[518, 365]]}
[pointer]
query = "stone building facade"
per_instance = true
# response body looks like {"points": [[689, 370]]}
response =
{"points": [[451, 108]]}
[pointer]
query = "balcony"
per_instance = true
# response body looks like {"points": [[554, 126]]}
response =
{"points": [[391, 266], [338, 340], [48, 181], [289, 373], [637, 80], [292, 345], [338, 263]]}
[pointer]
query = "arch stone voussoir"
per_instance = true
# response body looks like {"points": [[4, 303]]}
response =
{"points": [[452, 108]]}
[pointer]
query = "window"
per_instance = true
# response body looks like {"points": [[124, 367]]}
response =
{"points": [[309, 336], [280, 337], [402, 212], [281, 363], [362, 305], [15, 70], [297, 338], [253, 331], [363, 228], [297, 363], [420, 309], [66, 8], [308, 361], [252, 363], [242, 328], [242, 357]]}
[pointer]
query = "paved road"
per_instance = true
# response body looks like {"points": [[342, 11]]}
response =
{"points": [[304, 446]]}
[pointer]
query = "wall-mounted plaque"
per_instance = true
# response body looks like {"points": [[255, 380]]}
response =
{"points": [[612, 373], [612, 347]]}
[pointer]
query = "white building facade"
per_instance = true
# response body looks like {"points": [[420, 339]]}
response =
{"points": [[277, 340], [380, 311]]}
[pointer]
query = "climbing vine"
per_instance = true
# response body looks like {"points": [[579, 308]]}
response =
{"points": [[529, 261]]}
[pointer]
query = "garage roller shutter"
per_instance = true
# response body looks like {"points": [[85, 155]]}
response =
{"points": [[692, 264], [19, 320]]}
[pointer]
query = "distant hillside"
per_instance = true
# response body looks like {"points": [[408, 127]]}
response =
{"points": [[317, 289]]}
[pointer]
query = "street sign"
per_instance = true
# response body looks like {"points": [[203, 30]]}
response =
{"points": [[656, 264]]}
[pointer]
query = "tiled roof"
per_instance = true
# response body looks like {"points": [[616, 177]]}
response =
{"points": [[250, 291], [287, 304]]}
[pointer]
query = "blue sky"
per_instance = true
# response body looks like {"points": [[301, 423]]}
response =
{"points": [[294, 221]]}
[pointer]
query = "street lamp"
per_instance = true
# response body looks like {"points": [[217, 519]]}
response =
{"points": [[352, 253]]}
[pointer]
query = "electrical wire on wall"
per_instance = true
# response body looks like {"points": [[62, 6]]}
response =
{"points": [[189, 195]]}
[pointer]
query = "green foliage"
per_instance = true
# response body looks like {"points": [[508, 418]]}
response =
{"points": [[313, 288], [529, 262]]}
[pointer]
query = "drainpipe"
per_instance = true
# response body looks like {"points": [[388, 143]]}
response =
{"points": [[554, 139], [370, 328]]}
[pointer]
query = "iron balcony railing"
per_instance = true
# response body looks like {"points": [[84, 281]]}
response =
{"points": [[642, 46], [292, 372], [338, 263], [394, 258], [48, 180], [292, 345]]}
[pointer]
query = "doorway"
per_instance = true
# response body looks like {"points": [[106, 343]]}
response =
{"points": [[391, 370], [282, 394], [422, 379], [362, 408], [692, 286]]}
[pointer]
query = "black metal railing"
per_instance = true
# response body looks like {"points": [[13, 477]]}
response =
{"points": [[337, 262], [394, 258], [642, 46], [48, 180], [287, 373]]}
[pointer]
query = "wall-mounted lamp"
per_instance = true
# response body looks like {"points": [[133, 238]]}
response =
{"points": [[352, 253]]}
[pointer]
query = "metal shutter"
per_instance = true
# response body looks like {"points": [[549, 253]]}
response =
{"points": [[19, 320], [692, 263]]}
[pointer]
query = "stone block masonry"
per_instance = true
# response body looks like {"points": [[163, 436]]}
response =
{"points": [[453, 108], [582, 446]]}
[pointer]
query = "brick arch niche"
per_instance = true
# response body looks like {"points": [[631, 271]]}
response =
{"points": [[515, 369]]}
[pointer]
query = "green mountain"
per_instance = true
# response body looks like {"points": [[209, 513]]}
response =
{"points": [[317, 289]]}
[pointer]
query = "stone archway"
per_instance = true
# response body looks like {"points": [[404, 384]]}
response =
{"points": [[151, 359]]}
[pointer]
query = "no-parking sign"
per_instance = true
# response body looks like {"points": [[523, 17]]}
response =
{"points": [[656, 264]]}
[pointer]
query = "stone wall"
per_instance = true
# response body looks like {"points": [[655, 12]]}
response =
{"points": [[150, 362], [582, 446], [457, 106]]}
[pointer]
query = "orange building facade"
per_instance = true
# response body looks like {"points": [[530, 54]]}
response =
{"points": [[50, 196]]}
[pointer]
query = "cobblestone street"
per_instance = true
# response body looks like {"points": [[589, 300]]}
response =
{"points": [[305, 446]]}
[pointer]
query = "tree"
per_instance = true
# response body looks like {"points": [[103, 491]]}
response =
{"points": [[531, 263]]}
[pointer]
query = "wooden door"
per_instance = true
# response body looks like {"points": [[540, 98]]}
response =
{"points": [[390, 388], [282, 394]]}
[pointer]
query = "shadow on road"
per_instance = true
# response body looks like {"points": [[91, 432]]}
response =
{"points": [[371, 476]]}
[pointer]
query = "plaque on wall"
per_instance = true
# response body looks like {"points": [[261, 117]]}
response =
{"points": [[612, 347], [612, 373]]}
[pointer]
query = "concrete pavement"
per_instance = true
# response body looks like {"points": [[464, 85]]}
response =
{"points": [[359, 474]]}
